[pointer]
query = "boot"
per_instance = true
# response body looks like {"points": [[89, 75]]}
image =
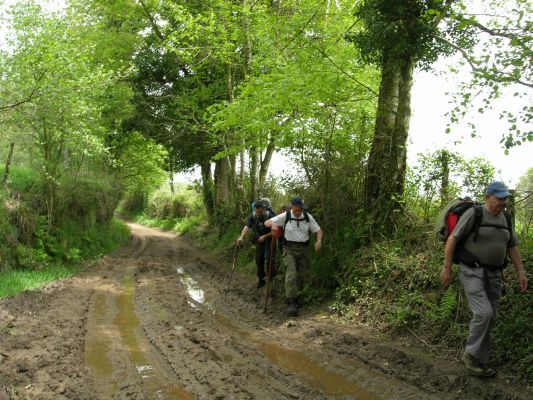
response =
{"points": [[472, 364], [292, 307]]}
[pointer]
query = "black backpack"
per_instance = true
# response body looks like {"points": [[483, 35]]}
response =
{"points": [[448, 220]]}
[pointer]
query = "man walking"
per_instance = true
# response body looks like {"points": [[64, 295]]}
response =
{"points": [[297, 227], [488, 245], [262, 237]]}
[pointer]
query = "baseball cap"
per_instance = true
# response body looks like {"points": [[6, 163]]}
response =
{"points": [[497, 189], [297, 201]]}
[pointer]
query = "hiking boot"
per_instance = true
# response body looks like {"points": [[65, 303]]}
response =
{"points": [[292, 307], [261, 283], [487, 371], [472, 365]]}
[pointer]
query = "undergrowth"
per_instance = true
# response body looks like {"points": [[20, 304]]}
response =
{"points": [[395, 288]]}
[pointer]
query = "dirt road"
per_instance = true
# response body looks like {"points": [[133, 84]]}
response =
{"points": [[150, 321]]}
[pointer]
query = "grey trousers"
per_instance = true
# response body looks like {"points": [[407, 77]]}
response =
{"points": [[296, 263], [483, 290]]}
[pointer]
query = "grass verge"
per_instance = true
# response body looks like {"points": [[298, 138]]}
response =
{"points": [[16, 281]]}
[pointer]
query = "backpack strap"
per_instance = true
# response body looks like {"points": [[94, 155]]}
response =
{"points": [[509, 220], [478, 217], [288, 217]]}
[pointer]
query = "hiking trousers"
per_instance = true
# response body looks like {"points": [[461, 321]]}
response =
{"points": [[296, 263], [483, 289], [262, 257]]}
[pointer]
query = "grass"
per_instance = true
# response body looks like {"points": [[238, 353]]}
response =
{"points": [[180, 226], [16, 281]]}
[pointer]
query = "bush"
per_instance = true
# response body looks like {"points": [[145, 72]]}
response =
{"points": [[87, 200], [163, 205], [512, 334]]}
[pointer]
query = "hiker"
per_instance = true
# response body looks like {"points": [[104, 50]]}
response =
{"points": [[489, 243], [262, 237], [297, 225]]}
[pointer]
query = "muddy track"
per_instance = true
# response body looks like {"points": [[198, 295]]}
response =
{"points": [[151, 321]]}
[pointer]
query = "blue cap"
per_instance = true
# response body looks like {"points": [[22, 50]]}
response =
{"points": [[497, 189], [297, 201]]}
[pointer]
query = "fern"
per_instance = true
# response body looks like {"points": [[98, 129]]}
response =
{"points": [[448, 302]]}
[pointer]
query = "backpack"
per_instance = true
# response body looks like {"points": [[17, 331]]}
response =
{"points": [[448, 219], [288, 217], [265, 203], [269, 212], [450, 215]]}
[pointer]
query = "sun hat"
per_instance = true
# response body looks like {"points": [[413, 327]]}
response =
{"points": [[497, 189]]}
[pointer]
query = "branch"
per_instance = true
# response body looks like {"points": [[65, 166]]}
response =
{"points": [[301, 31], [152, 21], [514, 38], [344, 72], [502, 77], [27, 99]]}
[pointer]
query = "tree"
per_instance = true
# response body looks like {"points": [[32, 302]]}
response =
{"points": [[62, 117], [306, 95], [399, 36]]}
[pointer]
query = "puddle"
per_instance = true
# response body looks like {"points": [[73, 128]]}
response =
{"points": [[317, 376], [327, 382], [193, 288], [128, 326], [97, 348], [155, 383]]}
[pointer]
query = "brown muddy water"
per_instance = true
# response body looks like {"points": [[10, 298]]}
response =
{"points": [[125, 327], [294, 361]]}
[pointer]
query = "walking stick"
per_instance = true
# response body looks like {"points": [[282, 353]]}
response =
{"points": [[269, 276], [232, 269]]}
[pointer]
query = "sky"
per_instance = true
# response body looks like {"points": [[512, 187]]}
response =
{"points": [[430, 103]]}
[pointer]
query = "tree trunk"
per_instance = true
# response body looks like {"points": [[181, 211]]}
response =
{"points": [[207, 187], [171, 182], [8, 163], [222, 179], [398, 164], [255, 159], [380, 152], [265, 164], [388, 156], [445, 177]]}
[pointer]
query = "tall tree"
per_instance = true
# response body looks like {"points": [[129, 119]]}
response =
{"points": [[397, 37]]}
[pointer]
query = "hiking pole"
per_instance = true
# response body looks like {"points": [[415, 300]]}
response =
{"points": [[269, 276], [232, 269]]}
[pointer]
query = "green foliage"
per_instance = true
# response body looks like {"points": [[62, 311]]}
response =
{"points": [[181, 212], [162, 205], [140, 163], [441, 176], [512, 334], [398, 28], [13, 281], [447, 306], [500, 65], [77, 244], [523, 205]]}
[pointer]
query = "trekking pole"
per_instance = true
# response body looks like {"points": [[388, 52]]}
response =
{"points": [[269, 276], [232, 269]]}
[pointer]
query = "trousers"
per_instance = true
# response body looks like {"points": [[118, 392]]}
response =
{"points": [[296, 262], [483, 290]]}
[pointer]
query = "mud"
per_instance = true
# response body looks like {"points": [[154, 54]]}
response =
{"points": [[153, 321]]}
